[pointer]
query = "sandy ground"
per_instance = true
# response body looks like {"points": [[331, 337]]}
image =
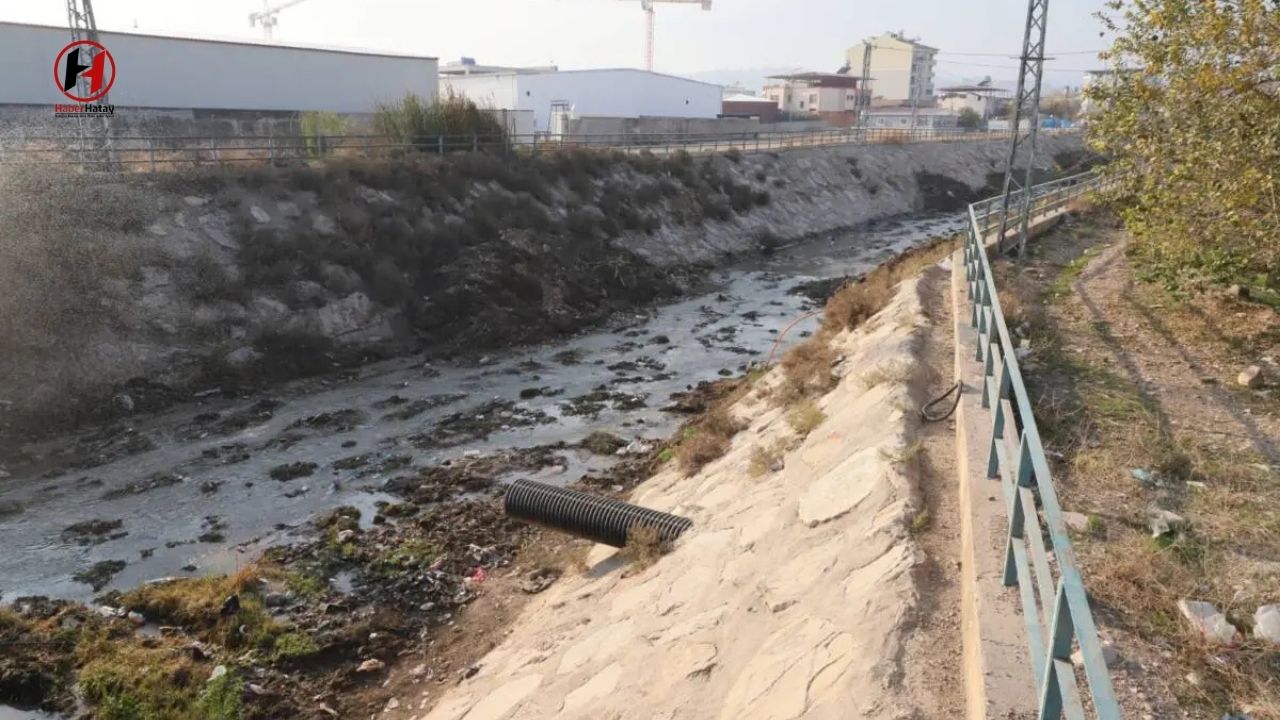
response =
{"points": [[793, 595]]}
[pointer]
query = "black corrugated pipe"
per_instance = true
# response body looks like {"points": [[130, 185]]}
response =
{"points": [[587, 516]]}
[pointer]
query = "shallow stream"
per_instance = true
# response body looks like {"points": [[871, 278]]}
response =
{"points": [[194, 493]]}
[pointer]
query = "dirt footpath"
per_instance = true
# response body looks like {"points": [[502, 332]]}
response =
{"points": [[793, 595]]}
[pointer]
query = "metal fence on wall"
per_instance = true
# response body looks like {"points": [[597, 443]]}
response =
{"points": [[154, 153], [1038, 557]]}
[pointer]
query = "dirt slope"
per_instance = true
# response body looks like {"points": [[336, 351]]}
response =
{"points": [[793, 594]]}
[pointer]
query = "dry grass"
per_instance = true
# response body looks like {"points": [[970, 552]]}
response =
{"points": [[805, 417], [806, 370], [709, 437], [1101, 424], [905, 454], [853, 304], [763, 458], [644, 547], [895, 372], [700, 448]]}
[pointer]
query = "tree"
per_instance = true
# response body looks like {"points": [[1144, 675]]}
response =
{"points": [[1191, 122], [969, 119]]}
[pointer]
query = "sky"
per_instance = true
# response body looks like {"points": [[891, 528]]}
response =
{"points": [[976, 37]]}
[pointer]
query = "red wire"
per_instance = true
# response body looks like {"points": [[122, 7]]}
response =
{"points": [[786, 330]]}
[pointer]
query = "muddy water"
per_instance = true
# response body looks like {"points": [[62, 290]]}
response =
{"points": [[202, 498]]}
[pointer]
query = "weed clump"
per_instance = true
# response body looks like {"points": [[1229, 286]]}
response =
{"points": [[644, 547], [709, 439], [805, 417], [806, 370]]}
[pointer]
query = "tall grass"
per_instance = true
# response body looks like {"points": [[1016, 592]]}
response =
{"points": [[317, 125], [452, 123]]}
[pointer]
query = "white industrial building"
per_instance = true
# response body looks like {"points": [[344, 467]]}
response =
{"points": [[569, 94], [175, 73]]}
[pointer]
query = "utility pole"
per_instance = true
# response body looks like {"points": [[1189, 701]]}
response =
{"points": [[84, 27], [1026, 105], [864, 86]]}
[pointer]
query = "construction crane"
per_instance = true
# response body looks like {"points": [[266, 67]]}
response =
{"points": [[267, 18], [647, 6]]}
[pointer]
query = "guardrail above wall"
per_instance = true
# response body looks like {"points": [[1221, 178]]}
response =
{"points": [[1038, 555], [152, 153]]}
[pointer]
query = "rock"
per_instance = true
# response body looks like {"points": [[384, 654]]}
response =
{"points": [[99, 574], [1239, 292], [323, 225], [136, 618], [1143, 476], [275, 599], [10, 507], [1266, 624], [636, 447], [123, 401], [218, 672], [345, 535], [354, 317], [288, 209], [1110, 655], [603, 443], [1164, 522], [195, 201], [1211, 624], [1250, 377], [371, 665], [777, 465], [242, 356], [392, 704], [1078, 522], [256, 689], [293, 470], [259, 215], [230, 606], [418, 671], [327, 710], [539, 580]]}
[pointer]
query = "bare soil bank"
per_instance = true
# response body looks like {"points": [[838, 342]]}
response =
{"points": [[128, 293]]}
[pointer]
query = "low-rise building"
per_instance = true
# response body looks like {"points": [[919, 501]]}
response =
{"points": [[906, 118], [743, 105], [832, 97], [982, 98]]}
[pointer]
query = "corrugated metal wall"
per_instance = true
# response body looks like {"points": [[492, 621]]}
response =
{"points": [[157, 72]]}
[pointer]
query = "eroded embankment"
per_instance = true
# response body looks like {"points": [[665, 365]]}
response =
{"points": [[792, 594], [127, 293]]}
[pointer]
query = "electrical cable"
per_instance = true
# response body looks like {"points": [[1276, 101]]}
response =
{"points": [[926, 413]]}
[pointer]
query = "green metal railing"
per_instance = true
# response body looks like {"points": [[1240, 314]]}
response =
{"points": [[1038, 556]]}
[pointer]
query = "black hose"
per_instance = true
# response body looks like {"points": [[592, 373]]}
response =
{"points": [[927, 416], [588, 516]]}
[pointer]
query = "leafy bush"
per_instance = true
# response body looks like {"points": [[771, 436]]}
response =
{"points": [[1191, 121]]}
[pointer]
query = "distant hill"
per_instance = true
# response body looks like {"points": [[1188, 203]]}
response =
{"points": [[752, 79]]}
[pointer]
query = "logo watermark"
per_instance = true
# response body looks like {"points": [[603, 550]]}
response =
{"points": [[84, 71]]}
